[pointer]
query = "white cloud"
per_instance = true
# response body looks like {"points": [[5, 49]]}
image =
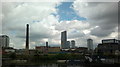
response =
{"points": [[74, 24], [38, 15]]}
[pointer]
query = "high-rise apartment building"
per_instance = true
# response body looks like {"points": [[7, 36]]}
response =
{"points": [[4, 41], [90, 44], [68, 45], [63, 40], [73, 44]]}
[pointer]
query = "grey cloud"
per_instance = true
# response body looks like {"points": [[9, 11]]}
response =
{"points": [[75, 35], [101, 32], [104, 15]]}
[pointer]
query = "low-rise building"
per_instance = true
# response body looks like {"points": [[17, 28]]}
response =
{"points": [[23, 51], [41, 49], [32, 51], [108, 47], [8, 50], [20, 51], [54, 49], [82, 49], [110, 41], [44, 49]]}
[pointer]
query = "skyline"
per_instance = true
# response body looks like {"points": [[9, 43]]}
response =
{"points": [[80, 20]]}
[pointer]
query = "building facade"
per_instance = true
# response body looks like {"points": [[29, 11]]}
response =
{"points": [[64, 40], [108, 47], [90, 44], [68, 44], [82, 49], [110, 41], [4, 41], [42, 49], [73, 44], [53, 49]]}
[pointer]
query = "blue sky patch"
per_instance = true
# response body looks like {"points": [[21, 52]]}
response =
{"points": [[66, 13]]}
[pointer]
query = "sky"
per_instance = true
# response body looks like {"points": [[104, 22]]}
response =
{"points": [[81, 20]]}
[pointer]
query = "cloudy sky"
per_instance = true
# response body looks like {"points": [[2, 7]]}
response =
{"points": [[81, 20]]}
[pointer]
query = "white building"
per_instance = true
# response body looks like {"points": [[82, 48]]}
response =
{"points": [[73, 44], [90, 44], [68, 44], [4, 41]]}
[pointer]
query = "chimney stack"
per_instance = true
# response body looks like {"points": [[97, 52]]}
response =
{"points": [[27, 36]]}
